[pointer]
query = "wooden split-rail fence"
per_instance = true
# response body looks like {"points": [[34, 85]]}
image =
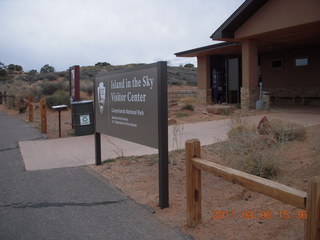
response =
{"points": [[309, 201], [31, 106]]}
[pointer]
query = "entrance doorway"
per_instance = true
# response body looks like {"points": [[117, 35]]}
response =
{"points": [[233, 80], [225, 79]]}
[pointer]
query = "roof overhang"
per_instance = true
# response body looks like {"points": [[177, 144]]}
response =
{"points": [[226, 31], [225, 48]]}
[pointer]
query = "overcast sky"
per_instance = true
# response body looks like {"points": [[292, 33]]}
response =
{"points": [[64, 33]]}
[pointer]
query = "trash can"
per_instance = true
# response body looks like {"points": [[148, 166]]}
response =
{"points": [[266, 99], [82, 117]]}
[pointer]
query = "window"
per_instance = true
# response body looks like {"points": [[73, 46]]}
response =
{"points": [[300, 62], [276, 63]]}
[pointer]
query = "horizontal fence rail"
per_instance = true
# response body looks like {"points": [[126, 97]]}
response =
{"points": [[272, 189], [194, 165]]}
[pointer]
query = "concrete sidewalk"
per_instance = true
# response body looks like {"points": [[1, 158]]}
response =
{"points": [[78, 151]]}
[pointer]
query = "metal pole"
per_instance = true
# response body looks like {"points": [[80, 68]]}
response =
{"points": [[98, 148], [59, 123], [97, 135], [163, 135]]}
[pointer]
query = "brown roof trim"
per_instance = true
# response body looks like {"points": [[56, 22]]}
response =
{"points": [[196, 51], [241, 15]]}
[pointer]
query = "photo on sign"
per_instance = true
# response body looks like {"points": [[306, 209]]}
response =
{"points": [[101, 96]]}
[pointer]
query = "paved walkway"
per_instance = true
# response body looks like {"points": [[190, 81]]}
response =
{"points": [[67, 203], [78, 151]]}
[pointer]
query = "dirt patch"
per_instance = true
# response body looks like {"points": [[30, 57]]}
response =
{"points": [[136, 176]]}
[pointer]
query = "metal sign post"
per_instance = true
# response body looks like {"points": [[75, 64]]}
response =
{"points": [[163, 136], [59, 108], [131, 102]]}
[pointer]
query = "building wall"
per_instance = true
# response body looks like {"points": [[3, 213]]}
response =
{"points": [[290, 80], [204, 93], [280, 14], [176, 95]]}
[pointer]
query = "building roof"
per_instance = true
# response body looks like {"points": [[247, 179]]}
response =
{"points": [[219, 48], [241, 15]]}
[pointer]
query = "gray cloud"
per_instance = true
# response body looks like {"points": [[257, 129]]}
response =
{"points": [[68, 32]]}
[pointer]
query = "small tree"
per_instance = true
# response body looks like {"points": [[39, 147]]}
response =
{"points": [[189, 65], [3, 69], [47, 69], [32, 72], [14, 67], [102, 64]]}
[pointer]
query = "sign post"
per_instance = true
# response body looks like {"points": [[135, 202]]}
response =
{"points": [[131, 104]]}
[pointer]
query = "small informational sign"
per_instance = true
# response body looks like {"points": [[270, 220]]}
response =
{"points": [[84, 120], [74, 84]]}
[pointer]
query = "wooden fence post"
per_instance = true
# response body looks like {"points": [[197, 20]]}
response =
{"points": [[30, 105], [193, 182], [43, 116], [312, 223]]}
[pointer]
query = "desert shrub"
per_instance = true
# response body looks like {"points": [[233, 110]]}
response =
{"points": [[51, 76], [316, 141], [285, 131], [62, 74], [86, 86], [237, 117], [188, 107], [35, 92], [33, 72], [249, 151], [175, 83], [244, 139], [261, 164], [50, 88], [58, 98], [11, 102], [187, 100]]}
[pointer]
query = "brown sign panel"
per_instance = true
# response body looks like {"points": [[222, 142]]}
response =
{"points": [[74, 83], [126, 104]]}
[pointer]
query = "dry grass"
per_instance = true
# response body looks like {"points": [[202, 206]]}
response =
{"points": [[258, 154]]}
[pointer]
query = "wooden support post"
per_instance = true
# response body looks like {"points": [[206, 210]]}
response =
{"points": [[312, 223], [193, 180], [0, 97], [30, 105], [43, 116]]}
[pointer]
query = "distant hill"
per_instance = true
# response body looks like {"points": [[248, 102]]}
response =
{"points": [[54, 86]]}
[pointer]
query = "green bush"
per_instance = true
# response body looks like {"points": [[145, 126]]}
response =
{"points": [[58, 98]]}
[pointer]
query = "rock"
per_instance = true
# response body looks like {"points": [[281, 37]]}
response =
{"points": [[172, 121], [264, 126]]}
